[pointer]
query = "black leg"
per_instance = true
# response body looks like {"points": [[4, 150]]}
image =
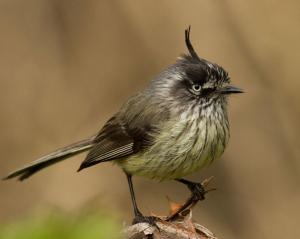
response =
{"points": [[133, 200], [139, 217]]}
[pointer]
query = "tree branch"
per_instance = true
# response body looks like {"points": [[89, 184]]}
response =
{"points": [[178, 229]]}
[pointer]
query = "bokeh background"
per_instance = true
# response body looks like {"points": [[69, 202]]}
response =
{"points": [[67, 65]]}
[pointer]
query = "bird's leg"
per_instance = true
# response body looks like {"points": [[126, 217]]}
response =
{"points": [[133, 200], [138, 216], [198, 194]]}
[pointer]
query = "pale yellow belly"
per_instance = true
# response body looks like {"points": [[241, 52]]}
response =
{"points": [[177, 153]]}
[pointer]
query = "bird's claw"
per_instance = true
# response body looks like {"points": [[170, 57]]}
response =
{"points": [[198, 191], [146, 219]]}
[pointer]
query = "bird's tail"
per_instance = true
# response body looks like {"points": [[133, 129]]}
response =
{"points": [[52, 158]]}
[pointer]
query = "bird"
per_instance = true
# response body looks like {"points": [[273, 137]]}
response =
{"points": [[177, 125]]}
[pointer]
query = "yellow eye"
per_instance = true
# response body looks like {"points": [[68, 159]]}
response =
{"points": [[196, 88]]}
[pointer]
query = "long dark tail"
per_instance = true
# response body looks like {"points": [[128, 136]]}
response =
{"points": [[52, 158]]}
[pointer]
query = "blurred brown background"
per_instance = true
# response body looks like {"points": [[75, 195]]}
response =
{"points": [[67, 65]]}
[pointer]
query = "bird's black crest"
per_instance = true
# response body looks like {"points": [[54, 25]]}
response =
{"points": [[189, 45], [199, 69]]}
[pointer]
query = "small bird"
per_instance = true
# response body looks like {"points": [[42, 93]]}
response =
{"points": [[177, 125]]}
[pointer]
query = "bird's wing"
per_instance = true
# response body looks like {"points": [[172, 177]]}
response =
{"points": [[112, 142]]}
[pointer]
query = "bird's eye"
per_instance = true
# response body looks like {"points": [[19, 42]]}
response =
{"points": [[196, 88]]}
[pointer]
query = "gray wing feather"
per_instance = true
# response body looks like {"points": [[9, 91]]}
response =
{"points": [[112, 142], [129, 131]]}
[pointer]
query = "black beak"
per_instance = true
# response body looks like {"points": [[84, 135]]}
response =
{"points": [[230, 90]]}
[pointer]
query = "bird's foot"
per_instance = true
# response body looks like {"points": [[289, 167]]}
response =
{"points": [[140, 218], [198, 191]]}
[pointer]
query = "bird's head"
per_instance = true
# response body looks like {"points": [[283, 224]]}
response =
{"points": [[195, 80]]}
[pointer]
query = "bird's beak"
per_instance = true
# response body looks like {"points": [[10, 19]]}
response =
{"points": [[230, 90]]}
